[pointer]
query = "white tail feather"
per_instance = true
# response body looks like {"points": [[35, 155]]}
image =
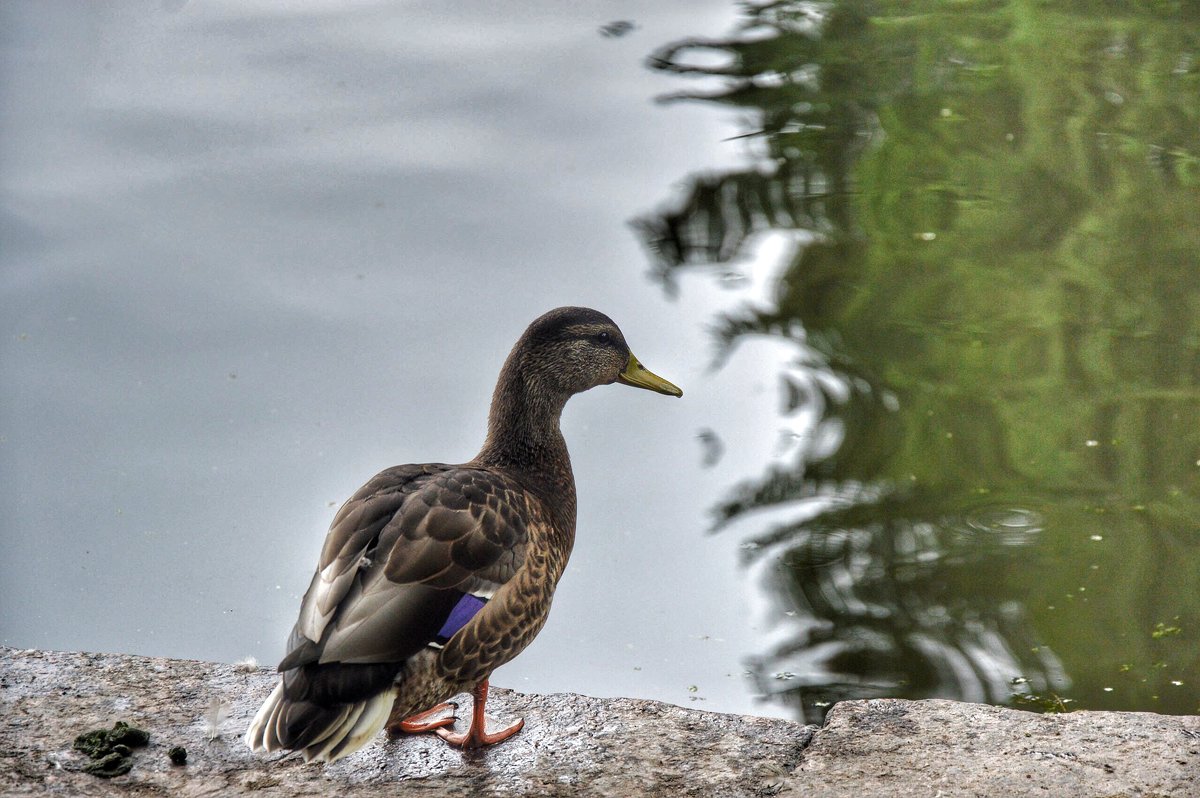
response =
{"points": [[347, 731]]}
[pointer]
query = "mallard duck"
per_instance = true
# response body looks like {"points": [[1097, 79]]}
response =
{"points": [[434, 575]]}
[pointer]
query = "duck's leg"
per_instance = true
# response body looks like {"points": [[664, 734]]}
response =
{"points": [[440, 716], [477, 735]]}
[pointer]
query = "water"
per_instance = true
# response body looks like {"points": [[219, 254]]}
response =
{"points": [[253, 256], [929, 289], [995, 319]]}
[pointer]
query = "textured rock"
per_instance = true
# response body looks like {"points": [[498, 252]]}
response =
{"points": [[892, 748], [574, 745], [571, 744]]}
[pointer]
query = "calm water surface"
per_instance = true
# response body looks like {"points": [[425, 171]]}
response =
{"points": [[253, 256], [993, 293], [927, 278]]}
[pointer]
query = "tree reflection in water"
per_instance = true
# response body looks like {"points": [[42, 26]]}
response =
{"points": [[1000, 307]]}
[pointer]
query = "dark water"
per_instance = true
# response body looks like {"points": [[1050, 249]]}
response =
{"points": [[927, 276], [999, 314]]}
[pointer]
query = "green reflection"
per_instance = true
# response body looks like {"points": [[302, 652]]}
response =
{"points": [[1006, 198]]}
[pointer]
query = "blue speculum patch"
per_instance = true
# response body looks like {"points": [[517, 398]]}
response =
{"points": [[463, 611]]}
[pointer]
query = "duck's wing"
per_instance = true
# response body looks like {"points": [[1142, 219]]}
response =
{"points": [[416, 546]]}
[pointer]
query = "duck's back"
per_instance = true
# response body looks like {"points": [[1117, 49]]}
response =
{"points": [[421, 588]]}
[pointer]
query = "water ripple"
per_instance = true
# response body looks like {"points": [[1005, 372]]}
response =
{"points": [[1000, 524]]}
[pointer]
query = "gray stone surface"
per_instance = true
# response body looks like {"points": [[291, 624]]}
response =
{"points": [[571, 744], [887, 747], [574, 745]]}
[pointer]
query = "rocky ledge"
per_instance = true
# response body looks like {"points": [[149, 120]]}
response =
{"points": [[571, 746]]}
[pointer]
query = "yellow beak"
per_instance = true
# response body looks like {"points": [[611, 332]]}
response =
{"points": [[639, 376]]}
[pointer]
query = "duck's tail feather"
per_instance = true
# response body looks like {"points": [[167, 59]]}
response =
{"points": [[319, 733]]}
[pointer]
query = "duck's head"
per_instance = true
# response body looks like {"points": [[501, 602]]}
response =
{"points": [[571, 349]]}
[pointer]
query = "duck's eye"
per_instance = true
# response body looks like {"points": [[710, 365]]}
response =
{"points": [[603, 338]]}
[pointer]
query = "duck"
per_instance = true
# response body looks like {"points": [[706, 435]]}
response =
{"points": [[433, 575]]}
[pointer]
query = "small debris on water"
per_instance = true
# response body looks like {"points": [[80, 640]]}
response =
{"points": [[1163, 630], [617, 29]]}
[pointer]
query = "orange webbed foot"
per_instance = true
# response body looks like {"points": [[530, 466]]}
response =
{"points": [[441, 719], [478, 738], [434, 719]]}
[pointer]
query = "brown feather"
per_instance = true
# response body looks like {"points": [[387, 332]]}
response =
{"points": [[403, 550]]}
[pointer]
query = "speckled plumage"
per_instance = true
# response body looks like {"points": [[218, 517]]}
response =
{"points": [[405, 548]]}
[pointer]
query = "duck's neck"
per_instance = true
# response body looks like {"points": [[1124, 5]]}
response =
{"points": [[524, 438]]}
